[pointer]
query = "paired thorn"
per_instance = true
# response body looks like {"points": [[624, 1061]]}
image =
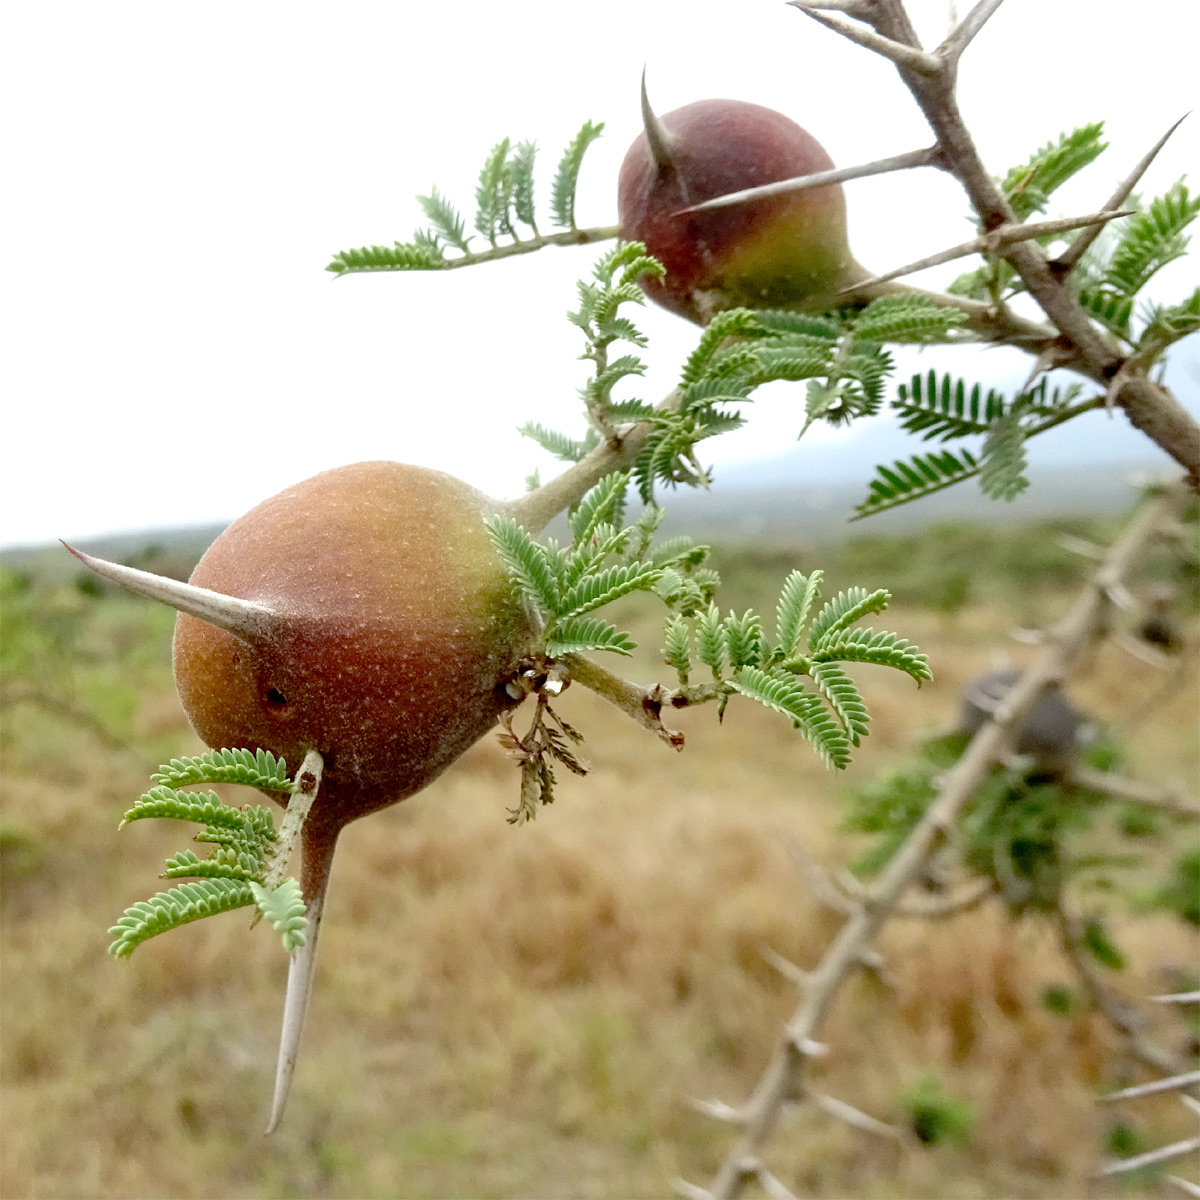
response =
{"points": [[913, 58], [245, 619], [993, 242], [928, 157], [907, 57]]}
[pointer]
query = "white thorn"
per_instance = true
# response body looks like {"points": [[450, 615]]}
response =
{"points": [[244, 618], [295, 1007]]}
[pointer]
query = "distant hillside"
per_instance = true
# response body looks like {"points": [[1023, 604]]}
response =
{"points": [[758, 503]]}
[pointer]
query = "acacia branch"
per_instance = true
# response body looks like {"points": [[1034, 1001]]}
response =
{"points": [[1149, 407], [513, 249], [784, 1075], [1114, 1010], [643, 704], [535, 510]]}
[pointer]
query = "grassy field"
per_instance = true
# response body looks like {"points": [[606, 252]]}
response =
{"points": [[525, 1011]]}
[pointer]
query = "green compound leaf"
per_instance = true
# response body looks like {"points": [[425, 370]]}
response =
{"points": [[781, 322], [493, 194], [1154, 237], [843, 697], [402, 256], [244, 841], [565, 448], [1111, 309], [922, 475], [906, 319], [1002, 464], [566, 178], [258, 769], [1168, 323], [796, 599], [594, 591], [446, 220], [1027, 188], [604, 504], [743, 639], [576, 635], [782, 693], [521, 168], [734, 322], [225, 863], [842, 611], [526, 562], [710, 640], [284, 908], [677, 646], [941, 407], [205, 808], [167, 910], [884, 649]]}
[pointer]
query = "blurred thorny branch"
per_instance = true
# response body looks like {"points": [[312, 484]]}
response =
{"points": [[786, 1078]]}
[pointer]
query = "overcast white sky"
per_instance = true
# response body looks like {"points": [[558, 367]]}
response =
{"points": [[179, 175]]}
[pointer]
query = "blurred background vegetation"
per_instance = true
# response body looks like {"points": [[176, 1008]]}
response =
{"points": [[525, 1011]]}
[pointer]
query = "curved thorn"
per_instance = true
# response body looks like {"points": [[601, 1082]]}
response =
{"points": [[657, 136], [243, 618]]}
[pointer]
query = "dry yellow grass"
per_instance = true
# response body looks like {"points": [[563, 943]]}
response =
{"points": [[524, 1011]]}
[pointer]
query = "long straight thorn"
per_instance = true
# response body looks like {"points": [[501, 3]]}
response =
{"points": [[799, 183], [250, 621], [992, 242], [1076, 250]]}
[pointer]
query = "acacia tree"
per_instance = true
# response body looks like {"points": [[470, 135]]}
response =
{"points": [[1092, 347]]}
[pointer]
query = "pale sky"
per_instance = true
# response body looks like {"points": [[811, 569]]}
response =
{"points": [[179, 174]]}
